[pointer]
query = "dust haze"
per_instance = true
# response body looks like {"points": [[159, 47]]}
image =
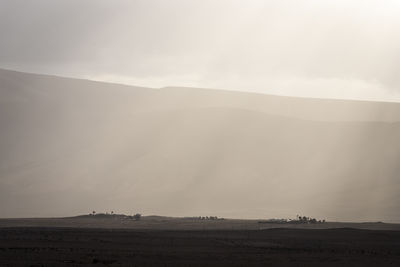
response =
{"points": [[302, 118], [69, 146]]}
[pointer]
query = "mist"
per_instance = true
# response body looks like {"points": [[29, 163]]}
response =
{"points": [[68, 146]]}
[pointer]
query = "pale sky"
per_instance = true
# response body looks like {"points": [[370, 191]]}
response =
{"points": [[332, 48]]}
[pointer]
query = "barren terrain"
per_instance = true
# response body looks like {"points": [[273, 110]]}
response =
{"points": [[272, 247]]}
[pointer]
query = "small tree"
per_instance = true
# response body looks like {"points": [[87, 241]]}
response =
{"points": [[137, 216]]}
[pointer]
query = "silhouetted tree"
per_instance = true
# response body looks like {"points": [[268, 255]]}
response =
{"points": [[137, 216]]}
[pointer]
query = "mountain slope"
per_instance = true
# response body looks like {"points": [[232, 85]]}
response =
{"points": [[70, 146]]}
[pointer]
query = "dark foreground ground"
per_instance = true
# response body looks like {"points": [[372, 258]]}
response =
{"points": [[36, 246]]}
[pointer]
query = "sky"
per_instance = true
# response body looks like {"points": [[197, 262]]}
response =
{"points": [[346, 49]]}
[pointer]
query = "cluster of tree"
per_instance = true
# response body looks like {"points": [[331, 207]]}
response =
{"points": [[208, 218], [135, 217], [94, 213], [305, 219], [298, 220]]}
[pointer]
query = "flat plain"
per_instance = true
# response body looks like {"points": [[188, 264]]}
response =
{"points": [[162, 241]]}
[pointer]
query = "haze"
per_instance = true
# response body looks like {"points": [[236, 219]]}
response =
{"points": [[288, 134], [71, 146]]}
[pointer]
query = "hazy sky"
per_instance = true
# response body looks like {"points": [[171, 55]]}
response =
{"points": [[340, 49]]}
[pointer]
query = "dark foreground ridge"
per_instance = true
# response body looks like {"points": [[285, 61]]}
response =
{"points": [[36, 246], [139, 222]]}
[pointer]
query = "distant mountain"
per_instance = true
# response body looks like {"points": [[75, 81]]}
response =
{"points": [[70, 146]]}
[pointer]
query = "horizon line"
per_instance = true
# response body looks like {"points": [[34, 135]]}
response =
{"points": [[166, 87]]}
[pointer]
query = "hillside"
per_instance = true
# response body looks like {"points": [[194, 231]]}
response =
{"points": [[70, 146]]}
